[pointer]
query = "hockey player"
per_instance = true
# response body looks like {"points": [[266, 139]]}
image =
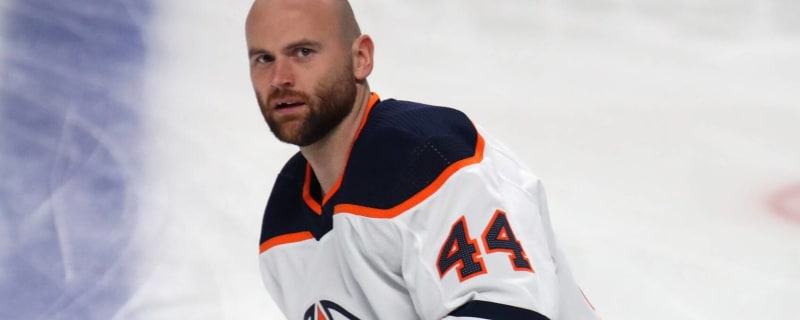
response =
{"points": [[391, 209]]}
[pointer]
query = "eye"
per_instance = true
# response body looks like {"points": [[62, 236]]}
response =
{"points": [[304, 52], [264, 58]]}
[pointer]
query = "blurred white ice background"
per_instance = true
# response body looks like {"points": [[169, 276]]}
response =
{"points": [[662, 129]]}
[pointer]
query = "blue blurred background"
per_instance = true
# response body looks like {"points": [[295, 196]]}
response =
{"points": [[69, 129]]}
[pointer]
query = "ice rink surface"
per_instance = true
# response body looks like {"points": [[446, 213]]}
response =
{"points": [[667, 134]]}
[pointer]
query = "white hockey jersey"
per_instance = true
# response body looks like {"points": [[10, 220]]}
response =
{"points": [[431, 219]]}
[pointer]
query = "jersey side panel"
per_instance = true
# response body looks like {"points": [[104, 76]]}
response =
{"points": [[485, 235], [573, 304], [462, 210]]}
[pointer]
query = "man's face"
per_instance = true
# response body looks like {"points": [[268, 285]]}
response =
{"points": [[300, 68]]}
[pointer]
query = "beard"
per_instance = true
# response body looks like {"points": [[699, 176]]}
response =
{"points": [[331, 101]]}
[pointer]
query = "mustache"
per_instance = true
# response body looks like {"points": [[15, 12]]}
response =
{"points": [[286, 93]]}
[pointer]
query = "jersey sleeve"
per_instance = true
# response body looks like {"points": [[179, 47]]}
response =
{"points": [[481, 247]]}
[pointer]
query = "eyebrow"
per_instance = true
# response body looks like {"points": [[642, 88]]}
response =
{"points": [[294, 45], [256, 52], [303, 43]]}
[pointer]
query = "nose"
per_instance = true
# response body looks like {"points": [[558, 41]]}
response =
{"points": [[282, 74]]}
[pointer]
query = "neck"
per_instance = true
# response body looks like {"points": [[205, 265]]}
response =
{"points": [[328, 156]]}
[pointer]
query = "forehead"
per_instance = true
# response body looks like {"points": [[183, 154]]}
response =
{"points": [[273, 23]]}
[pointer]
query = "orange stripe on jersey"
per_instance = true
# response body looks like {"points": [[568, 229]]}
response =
{"points": [[373, 99], [420, 196], [310, 202], [285, 239]]}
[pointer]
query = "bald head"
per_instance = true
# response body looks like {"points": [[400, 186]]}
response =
{"points": [[309, 65], [347, 20], [330, 13]]}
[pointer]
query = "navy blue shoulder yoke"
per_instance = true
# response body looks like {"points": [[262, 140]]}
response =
{"points": [[402, 148]]}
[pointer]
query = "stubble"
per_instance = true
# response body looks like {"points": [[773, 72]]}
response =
{"points": [[331, 102]]}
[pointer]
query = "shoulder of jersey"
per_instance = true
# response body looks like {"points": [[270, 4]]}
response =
{"points": [[403, 148]]}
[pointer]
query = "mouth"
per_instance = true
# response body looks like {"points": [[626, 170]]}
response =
{"points": [[288, 104], [284, 105]]}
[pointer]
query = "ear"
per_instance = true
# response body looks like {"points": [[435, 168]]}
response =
{"points": [[362, 51]]}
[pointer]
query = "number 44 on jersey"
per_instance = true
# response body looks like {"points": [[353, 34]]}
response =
{"points": [[461, 251]]}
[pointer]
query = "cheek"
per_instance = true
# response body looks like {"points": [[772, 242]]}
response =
{"points": [[260, 93], [259, 77], [262, 104]]}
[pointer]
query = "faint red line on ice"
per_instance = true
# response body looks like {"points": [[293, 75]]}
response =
{"points": [[786, 203]]}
